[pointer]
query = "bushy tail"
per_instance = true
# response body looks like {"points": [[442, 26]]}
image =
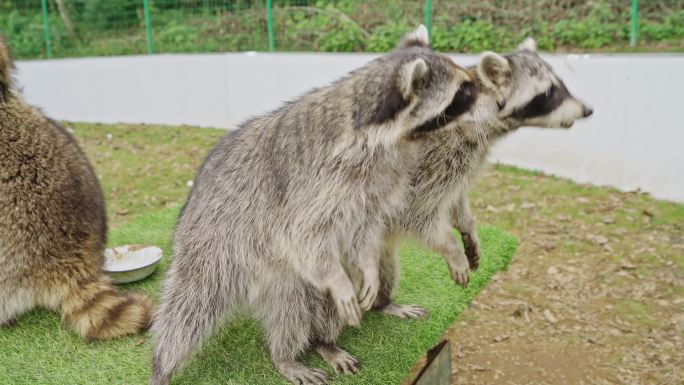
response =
{"points": [[5, 67], [190, 307], [97, 311]]}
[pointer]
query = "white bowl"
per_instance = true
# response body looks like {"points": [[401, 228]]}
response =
{"points": [[130, 263]]}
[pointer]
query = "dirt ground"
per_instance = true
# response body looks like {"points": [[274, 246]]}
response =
{"points": [[595, 294]]}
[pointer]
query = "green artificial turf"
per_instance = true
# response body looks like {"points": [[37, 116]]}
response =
{"points": [[37, 350]]}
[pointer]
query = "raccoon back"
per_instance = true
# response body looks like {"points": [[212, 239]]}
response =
{"points": [[50, 198]]}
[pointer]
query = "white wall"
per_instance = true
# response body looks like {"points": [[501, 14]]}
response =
{"points": [[634, 140]]}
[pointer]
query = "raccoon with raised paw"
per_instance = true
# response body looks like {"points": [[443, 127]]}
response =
{"points": [[287, 215], [513, 90], [53, 226]]}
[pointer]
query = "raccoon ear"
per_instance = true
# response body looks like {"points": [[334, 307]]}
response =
{"points": [[529, 44], [417, 38], [494, 70], [409, 74], [397, 97]]}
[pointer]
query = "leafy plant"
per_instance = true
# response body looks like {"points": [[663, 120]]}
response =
{"points": [[385, 37], [116, 27]]}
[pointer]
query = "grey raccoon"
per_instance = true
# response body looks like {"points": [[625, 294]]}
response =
{"points": [[514, 90], [53, 226], [287, 214]]}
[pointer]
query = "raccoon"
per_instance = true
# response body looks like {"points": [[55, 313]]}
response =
{"points": [[514, 90], [53, 226], [287, 214]]}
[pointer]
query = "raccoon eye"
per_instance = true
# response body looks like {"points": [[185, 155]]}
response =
{"points": [[541, 104]]}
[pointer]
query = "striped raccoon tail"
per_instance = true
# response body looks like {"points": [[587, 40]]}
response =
{"points": [[97, 311]]}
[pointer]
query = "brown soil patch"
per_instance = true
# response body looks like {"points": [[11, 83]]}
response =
{"points": [[595, 294]]}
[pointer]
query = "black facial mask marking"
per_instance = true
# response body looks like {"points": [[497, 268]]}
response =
{"points": [[462, 101], [543, 103]]}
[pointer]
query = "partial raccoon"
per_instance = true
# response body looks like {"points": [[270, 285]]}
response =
{"points": [[287, 214], [53, 226], [514, 90]]}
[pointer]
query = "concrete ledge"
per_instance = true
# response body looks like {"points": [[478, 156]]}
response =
{"points": [[634, 140]]}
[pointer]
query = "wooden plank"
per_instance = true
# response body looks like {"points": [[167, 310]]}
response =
{"points": [[437, 369]]}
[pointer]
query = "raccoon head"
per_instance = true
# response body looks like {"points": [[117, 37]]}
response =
{"points": [[426, 90], [527, 91]]}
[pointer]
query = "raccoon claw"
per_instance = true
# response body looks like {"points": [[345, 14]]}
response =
{"points": [[346, 364], [405, 311], [315, 377], [473, 254], [349, 311], [341, 361], [472, 250], [368, 293], [461, 276], [347, 304], [474, 264], [8, 323], [302, 375]]}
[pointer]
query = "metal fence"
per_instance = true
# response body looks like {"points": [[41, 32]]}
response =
{"points": [[64, 28]]}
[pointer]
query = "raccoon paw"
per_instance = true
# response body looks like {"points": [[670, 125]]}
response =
{"points": [[345, 363], [302, 375], [461, 275], [405, 311], [341, 361], [472, 251], [8, 323], [347, 306], [368, 293]]}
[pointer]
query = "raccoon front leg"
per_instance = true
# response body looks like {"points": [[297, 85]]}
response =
{"points": [[464, 223], [368, 264], [445, 244], [329, 276], [365, 258], [371, 285]]}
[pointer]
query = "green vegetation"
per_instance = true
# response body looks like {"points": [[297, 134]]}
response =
{"points": [[144, 171], [116, 27], [144, 168], [37, 351]]}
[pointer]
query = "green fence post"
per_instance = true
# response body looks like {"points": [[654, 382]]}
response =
{"points": [[46, 30], [148, 25], [428, 17], [634, 33], [269, 23]]}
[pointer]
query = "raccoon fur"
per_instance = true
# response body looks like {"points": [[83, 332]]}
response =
{"points": [[514, 90], [286, 217], [53, 226]]}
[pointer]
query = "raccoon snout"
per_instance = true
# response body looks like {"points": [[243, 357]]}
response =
{"points": [[587, 111]]}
